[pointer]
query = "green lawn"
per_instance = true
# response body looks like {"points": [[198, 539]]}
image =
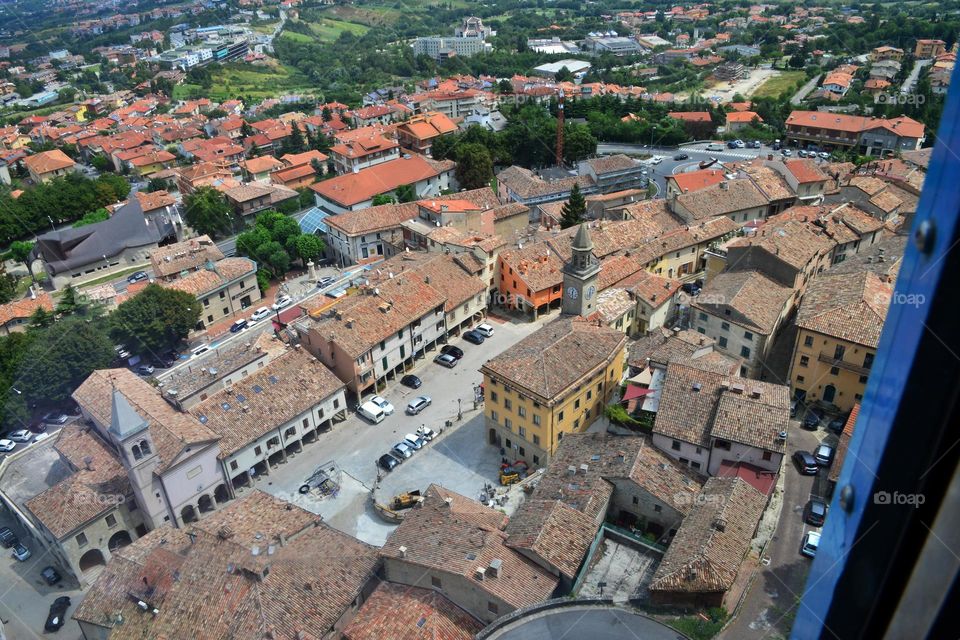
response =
{"points": [[328, 30], [231, 81], [296, 37], [778, 85], [264, 28]]}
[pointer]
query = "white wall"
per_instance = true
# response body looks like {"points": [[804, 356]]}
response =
{"points": [[687, 451]]}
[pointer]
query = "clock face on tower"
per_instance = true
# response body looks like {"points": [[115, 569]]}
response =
{"points": [[572, 293], [590, 291]]}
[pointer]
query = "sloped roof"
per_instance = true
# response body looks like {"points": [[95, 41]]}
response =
{"points": [[849, 306], [47, 161]]}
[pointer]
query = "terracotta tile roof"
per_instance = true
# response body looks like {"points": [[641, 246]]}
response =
{"points": [[153, 157], [170, 430], [47, 161], [851, 307], [886, 201], [360, 147], [207, 280], [902, 125], [615, 269], [183, 256], [553, 531], [526, 184], [75, 500], [921, 157], [844, 444], [155, 200], [770, 183], [793, 242], [536, 265], [656, 213], [440, 271], [755, 300], [353, 188], [290, 384], [705, 555], [688, 401], [307, 157], [362, 321], [261, 164], [754, 417], [691, 116], [553, 359], [400, 612], [612, 163], [805, 171], [722, 199], [292, 173], [696, 180], [23, 308], [611, 458], [743, 116], [247, 192], [462, 535], [651, 288], [315, 574]]}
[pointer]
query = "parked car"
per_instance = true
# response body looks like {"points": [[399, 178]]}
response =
{"points": [[446, 360], [20, 552], [6, 446], [690, 288], [383, 403], [41, 437], [260, 314], [740, 144], [137, 277], [239, 325], [372, 412], [388, 462], [122, 351], [824, 155], [145, 370], [755, 144], [805, 462], [21, 435], [451, 350], [837, 424], [55, 417], [801, 153], [823, 455], [794, 407], [38, 426], [58, 613], [786, 152], [51, 576], [414, 441], [281, 302], [484, 329], [418, 404], [426, 433], [812, 420], [325, 282], [811, 540], [815, 512], [474, 337], [732, 144], [681, 156], [411, 381], [655, 160], [714, 146], [402, 450], [8, 538]]}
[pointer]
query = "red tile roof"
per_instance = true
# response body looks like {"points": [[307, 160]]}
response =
{"points": [[353, 188]]}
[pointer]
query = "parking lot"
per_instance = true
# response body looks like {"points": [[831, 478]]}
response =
{"points": [[24, 596], [458, 459]]}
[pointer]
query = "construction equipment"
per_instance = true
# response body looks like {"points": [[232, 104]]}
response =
{"points": [[326, 480], [509, 475], [406, 500]]}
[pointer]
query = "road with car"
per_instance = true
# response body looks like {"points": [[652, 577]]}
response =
{"points": [[769, 607]]}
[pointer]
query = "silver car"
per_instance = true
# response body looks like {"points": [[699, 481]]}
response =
{"points": [[418, 404], [402, 450]]}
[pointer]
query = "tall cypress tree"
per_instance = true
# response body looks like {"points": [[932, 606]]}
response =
{"points": [[575, 209]]}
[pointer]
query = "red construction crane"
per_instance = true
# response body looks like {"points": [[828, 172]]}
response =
{"points": [[560, 128]]}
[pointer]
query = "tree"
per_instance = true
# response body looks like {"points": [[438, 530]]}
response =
{"points": [[41, 318], [295, 143], [8, 287], [309, 247], [573, 211], [20, 252], [504, 86], [97, 215], [406, 193], [101, 162], [156, 184], [579, 143], [246, 130], [564, 75], [274, 257], [62, 357], [325, 114], [474, 166], [69, 302], [208, 212], [383, 198], [155, 320]]}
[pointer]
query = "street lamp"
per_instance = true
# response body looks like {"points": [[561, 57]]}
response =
{"points": [[459, 410]]}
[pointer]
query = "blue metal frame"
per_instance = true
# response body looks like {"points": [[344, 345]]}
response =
{"points": [[907, 361]]}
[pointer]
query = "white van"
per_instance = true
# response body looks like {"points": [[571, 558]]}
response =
{"points": [[372, 412]]}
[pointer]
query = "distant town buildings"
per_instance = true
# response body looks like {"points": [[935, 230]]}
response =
{"points": [[469, 39]]}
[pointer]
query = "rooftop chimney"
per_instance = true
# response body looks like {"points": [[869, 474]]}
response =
{"points": [[403, 552], [494, 569], [584, 468], [479, 573]]}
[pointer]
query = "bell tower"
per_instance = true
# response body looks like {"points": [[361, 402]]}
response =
{"points": [[580, 276], [138, 453]]}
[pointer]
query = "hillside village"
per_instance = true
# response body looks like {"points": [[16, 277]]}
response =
{"points": [[458, 357]]}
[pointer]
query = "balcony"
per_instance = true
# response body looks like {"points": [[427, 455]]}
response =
{"points": [[827, 358]]}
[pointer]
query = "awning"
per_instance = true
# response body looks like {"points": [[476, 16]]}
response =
{"points": [[636, 392]]}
